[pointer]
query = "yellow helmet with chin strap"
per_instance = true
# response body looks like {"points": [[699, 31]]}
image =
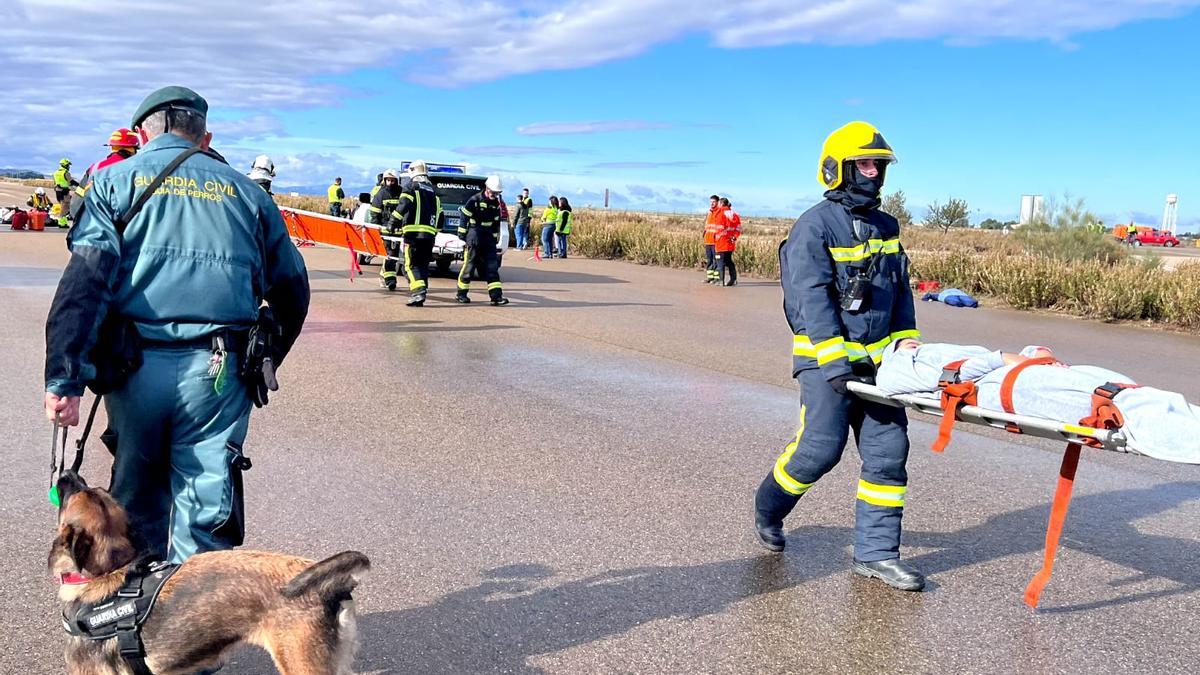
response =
{"points": [[856, 140]]}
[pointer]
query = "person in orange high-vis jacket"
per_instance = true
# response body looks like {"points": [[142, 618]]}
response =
{"points": [[711, 225], [728, 230]]}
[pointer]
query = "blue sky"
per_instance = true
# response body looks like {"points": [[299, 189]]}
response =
{"points": [[660, 101]]}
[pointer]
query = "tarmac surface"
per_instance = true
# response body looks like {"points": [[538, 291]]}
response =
{"points": [[565, 485]]}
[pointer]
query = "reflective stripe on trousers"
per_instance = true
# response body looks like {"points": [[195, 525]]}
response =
{"points": [[826, 420]]}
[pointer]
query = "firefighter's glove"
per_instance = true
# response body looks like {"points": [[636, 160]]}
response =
{"points": [[839, 383]]}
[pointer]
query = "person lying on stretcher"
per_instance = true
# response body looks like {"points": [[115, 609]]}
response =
{"points": [[1157, 423]]}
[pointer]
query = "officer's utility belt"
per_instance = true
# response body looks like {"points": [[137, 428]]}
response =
{"points": [[122, 615], [222, 340]]}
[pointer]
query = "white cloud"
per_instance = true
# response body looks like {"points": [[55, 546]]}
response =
{"points": [[72, 71], [510, 151], [774, 22], [647, 165], [558, 128]]}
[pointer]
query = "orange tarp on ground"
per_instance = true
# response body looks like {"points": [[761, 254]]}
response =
{"points": [[317, 228]]}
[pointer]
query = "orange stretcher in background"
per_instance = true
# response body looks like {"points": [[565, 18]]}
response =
{"points": [[307, 227]]}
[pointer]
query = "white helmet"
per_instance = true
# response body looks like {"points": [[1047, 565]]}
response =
{"points": [[417, 168], [391, 173], [493, 183], [40, 191], [264, 162]]}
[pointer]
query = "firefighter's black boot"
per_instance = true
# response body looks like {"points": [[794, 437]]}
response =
{"points": [[771, 505], [500, 301], [462, 298], [417, 300], [895, 573]]}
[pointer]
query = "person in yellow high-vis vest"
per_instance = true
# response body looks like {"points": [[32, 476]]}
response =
{"points": [[64, 185], [336, 195]]}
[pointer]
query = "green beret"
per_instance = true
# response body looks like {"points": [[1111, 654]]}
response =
{"points": [[173, 97]]}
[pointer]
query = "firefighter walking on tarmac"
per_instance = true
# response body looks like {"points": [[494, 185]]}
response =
{"points": [[383, 203], [416, 217], [479, 229], [846, 296]]}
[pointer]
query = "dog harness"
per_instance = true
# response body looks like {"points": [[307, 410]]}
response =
{"points": [[122, 615]]}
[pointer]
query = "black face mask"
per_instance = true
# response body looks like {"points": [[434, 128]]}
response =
{"points": [[857, 191]]}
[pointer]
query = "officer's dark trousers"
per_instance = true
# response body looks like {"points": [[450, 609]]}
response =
{"points": [[335, 209], [547, 240], [482, 257], [725, 264], [179, 443], [826, 419], [418, 253], [394, 256], [710, 262]]}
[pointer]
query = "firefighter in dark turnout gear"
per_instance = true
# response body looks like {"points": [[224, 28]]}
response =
{"points": [[479, 229], [846, 296], [416, 217], [383, 203]]}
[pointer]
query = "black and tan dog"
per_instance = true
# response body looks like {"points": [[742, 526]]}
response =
{"points": [[301, 612]]}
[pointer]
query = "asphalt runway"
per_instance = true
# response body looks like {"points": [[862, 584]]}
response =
{"points": [[565, 485]]}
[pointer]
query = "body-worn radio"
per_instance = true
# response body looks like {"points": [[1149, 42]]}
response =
{"points": [[857, 291]]}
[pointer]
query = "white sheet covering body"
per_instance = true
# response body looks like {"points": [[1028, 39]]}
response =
{"points": [[1159, 424]]}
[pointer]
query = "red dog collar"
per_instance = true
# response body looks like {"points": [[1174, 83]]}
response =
{"points": [[73, 579]]}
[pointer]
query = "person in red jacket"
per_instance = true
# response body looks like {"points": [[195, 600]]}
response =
{"points": [[729, 228], [710, 239], [124, 144]]}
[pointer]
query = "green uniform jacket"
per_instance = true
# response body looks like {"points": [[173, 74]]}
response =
{"points": [[202, 255]]}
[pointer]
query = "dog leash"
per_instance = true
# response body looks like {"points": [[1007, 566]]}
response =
{"points": [[58, 450]]}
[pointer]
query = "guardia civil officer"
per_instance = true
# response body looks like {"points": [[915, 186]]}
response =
{"points": [[189, 274], [479, 228], [846, 296], [383, 203], [417, 216]]}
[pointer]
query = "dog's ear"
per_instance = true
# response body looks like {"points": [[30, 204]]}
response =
{"points": [[96, 533], [79, 545]]}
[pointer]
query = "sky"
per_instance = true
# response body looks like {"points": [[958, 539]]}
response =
{"points": [[662, 102]]}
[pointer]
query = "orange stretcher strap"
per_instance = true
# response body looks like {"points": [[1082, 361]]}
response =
{"points": [[955, 394], [1058, 515], [1104, 416], [1010, 380]]}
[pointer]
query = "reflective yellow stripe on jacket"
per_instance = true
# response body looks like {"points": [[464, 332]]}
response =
{"points": [[840, 348], [864, 250]]}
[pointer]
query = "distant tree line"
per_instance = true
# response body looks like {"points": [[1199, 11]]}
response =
{"points": [[21, 174]]}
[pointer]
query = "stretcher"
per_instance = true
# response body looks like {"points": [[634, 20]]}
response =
{"points": [[1075, 435], [930, 404], [308, 229]]}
